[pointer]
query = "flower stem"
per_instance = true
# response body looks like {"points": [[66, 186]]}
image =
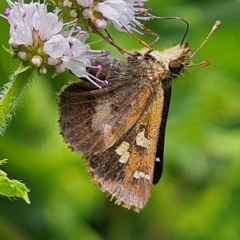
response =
{"points": [[12, 93]]}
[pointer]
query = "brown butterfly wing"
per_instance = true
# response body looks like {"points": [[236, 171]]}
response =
{"points": [[93, 120], [117, 129], [120, 129], [125, 170]]}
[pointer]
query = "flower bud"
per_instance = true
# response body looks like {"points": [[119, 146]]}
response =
{"points": [[36, 61]]}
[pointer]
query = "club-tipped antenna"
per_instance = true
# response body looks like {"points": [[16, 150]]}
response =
{"points": [[175, 18], [215, 26]]}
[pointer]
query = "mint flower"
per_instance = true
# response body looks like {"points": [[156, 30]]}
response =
{"points": [[123, 14], [39, 38], [84, 3], [24, 19], [96, 14], [78, 57]]}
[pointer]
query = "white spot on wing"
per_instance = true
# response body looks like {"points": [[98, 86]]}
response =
{"points": [[157, 159], [138, 174], [141, 140], [122, 151]]}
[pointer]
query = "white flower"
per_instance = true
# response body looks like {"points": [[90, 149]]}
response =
{"points": [[123, 14], [111, 9], [78, 57], [20, 35], [39, 37], [84, 3], [25, 18], [56, 46], [50, 25]]}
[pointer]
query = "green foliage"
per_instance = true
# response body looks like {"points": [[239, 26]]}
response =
{"points": [[12, 188], [12, 93], [198, 195]]}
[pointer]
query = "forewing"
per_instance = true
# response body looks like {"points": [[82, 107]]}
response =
{"points": [[125, 170], [91, 121]]}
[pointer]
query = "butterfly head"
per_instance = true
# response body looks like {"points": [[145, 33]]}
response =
{"points": [[176, 58], [164, 65]]}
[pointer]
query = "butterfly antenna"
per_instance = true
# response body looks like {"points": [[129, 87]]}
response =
{"points": [[215, 26], [174, 18]]}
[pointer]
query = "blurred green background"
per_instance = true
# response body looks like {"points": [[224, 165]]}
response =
{"points": [[198, 196]]}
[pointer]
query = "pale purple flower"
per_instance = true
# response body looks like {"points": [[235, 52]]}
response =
{"points": [[78, 57], [49, 26], [84, 3], [42, 39], [111, 9], [122, 13], [56, 46], [26, 18]]}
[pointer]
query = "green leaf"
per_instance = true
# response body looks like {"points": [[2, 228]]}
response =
{"points": [[12, 188]]}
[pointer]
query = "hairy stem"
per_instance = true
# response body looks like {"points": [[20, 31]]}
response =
{"points": [[12, 93]]}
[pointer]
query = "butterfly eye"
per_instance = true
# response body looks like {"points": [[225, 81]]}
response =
{"points": [[175, 66]]}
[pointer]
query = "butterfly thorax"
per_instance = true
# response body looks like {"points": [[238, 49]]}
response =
{"points": [[164, 66]]}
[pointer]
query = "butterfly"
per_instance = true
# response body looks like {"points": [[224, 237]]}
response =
{"points": [[120, 128]]}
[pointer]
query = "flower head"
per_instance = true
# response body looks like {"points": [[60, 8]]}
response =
{"points": [[40, 38], [124, 14]]}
